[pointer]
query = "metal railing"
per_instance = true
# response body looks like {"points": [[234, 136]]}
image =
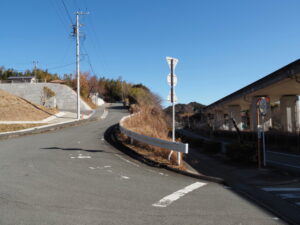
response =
{"points": [[175, 146]]}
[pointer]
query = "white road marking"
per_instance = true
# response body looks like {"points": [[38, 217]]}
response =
{"points": [[78, 142], [84, 157], [125, 177], [275, 218], [283, 164], [107, 166], [92, 168], [280, 189], [104, 115], [284, 196], [164, 202], [80, 156], [227, 187], [110, 171], [132, 163]]}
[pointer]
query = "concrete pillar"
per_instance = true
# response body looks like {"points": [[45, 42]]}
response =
{"points": [[234, 111], [253, 115], [289, 113]]}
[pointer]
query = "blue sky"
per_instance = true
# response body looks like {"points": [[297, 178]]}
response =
{"points": [[221, 45]]}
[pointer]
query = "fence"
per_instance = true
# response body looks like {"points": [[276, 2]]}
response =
{"points": [[175, 146]]}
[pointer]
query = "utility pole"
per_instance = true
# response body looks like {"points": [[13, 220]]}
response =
{"points": [[76, 31]]}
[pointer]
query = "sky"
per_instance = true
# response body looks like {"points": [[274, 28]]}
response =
{"points": [[222, 46]]}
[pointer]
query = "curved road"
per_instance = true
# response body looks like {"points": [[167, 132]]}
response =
{"points": [[72, 176]]}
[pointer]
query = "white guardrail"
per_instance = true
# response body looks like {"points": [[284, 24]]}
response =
{"points": [[175, 146]]}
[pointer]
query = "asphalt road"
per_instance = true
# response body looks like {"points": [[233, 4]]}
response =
{"points": [[72, 176]]}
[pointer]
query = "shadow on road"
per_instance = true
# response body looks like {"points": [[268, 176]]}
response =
{"points": [[73, 149], [118, 107]]}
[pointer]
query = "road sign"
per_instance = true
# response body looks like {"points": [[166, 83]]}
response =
{"points": [[174, 79], [169, 97], [263, 106], [175, 61]]}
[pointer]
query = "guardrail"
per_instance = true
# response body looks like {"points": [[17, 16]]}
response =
{"points": [[174, 146]]}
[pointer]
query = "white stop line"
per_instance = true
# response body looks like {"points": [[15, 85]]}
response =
{"points": [[164, 202]]}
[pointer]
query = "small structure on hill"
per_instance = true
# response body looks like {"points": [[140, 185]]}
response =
{"points": [[22, 79], [57, 81]]}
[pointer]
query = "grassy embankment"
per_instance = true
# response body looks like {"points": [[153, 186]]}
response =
{"points": [[13, 108], [149, 119]]}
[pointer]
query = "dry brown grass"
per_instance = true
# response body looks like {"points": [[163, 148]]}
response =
{"points": [[14, 127], [151, 121], [13, 108]]}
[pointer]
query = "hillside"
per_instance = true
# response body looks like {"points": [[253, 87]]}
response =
{"points": [[182, 109], [13, 108], [187, 114]]}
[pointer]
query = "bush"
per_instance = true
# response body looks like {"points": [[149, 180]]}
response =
{"points": [[241, 152], [48, 92], [211, 147]]}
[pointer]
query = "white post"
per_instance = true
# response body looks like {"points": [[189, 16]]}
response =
{"points": [[263, 141], [173, 110], [77, 65]]}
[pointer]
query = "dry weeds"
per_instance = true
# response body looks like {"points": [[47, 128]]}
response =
{"points": [[151, 121], [14, 127], [13, 108]]}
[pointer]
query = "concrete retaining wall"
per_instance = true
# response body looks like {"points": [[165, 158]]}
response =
{"points": [[66, 98]]}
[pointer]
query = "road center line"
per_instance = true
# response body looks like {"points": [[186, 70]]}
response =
{"points": [[164, 202]]}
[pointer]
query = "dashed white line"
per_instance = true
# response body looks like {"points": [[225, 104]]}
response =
{"points": [[126, 160], [279, 189], [164, 202], [285, 196], [227, 187], [84, 157], [107, 166], [80, 156], [125, 177]]}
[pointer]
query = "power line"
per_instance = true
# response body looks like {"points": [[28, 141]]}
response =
{"points": [[89, 59], [56, 8], [67, 11], [62, 66]]}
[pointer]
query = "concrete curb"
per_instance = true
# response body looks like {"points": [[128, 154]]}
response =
{"points": [[110, 137]]}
